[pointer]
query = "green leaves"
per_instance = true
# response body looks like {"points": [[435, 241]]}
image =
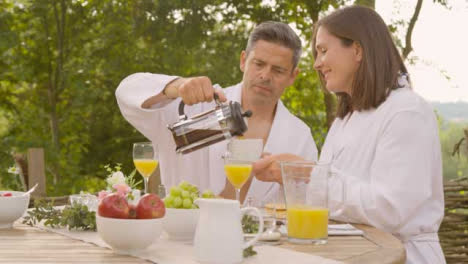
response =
{"points": [[249, 225], [248, 252], [76, 216], [59, 72], [43, 211]]}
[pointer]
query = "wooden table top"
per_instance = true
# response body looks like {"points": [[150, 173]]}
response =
{"points": [[25, 244], [375, 246]]}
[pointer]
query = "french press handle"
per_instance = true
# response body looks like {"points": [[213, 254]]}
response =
{"points": [[182, 106]]}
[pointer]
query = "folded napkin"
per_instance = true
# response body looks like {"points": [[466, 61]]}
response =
{"points": [[344, 230], [334, 230]]}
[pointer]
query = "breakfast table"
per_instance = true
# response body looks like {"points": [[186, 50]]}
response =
{"points": [[26, 244]]}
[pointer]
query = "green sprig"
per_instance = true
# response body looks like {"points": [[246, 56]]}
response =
{"points": [[76, 216], [131, 181], [249, 226], [248, 252]]}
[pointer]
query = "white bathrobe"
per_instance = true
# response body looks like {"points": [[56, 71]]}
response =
{"points": [[389, 172], [204, 167]]}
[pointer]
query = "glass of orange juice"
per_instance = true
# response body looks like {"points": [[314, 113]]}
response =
{"points": [[237, 172], [145, 158], [306, 193]]}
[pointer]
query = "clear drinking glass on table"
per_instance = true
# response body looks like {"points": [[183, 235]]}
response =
{"points": [[145, 158], [306, 192], [276, 205], [274, 213], [91, 201]]}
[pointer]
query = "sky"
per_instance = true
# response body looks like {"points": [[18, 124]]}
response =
{"points": [[440, 43]]}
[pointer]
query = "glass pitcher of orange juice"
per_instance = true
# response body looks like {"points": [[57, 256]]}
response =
{"points": [[306, 193]]}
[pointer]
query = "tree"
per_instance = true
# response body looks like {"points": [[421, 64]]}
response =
{"points": [[62, 60], [368, 3], [407, 47]]}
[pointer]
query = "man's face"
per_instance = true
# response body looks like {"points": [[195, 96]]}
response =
{"points": [[268, 70]]}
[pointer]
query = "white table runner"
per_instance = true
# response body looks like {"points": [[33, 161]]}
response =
{"points": [[165, 251]]}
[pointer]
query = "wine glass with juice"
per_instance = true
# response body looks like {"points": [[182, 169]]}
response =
{"points": [[145, 158]]}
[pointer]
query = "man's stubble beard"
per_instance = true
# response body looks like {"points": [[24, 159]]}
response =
{"points": [[262, 100], [257, 98]]}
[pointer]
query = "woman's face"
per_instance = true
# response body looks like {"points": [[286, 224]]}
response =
{"points": [[335, 62]]}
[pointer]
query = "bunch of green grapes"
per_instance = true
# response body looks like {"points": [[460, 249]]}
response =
{"points": [[183, 195]]}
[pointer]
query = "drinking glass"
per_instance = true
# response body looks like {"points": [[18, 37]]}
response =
{"points": [[275, 206], [245, 148], [274, 215], [306, 192], [237, 172], [145, 158], [91, 201]]}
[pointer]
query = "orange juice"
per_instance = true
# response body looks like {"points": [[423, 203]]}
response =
{"points": [[307, 222], [237, 174], [145, 166]]}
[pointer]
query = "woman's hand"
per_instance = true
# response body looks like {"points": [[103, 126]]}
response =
{"points": [[268, 169]]}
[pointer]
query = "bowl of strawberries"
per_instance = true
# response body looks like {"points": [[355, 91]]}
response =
{"points": [[12, 206]]}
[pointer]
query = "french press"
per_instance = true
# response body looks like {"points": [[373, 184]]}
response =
{"points": [[223, 122]]}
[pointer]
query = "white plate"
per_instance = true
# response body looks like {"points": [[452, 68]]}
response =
{"points": [[275, 236], [333, 230]]}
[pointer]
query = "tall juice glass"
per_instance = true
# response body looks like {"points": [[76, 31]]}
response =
{"points": [[145, 158], [237, 172], [306, 188]]}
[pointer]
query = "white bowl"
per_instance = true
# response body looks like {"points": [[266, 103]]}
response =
{"points": [[180, 224], [128, 235], [12, 208]]}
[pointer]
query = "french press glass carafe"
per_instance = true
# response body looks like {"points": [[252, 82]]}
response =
{"points": [[223, 122]]}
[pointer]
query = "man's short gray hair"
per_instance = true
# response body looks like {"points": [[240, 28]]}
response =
{"points": [[278, 33]]}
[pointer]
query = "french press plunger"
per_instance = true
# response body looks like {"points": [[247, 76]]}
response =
{"points": [[223, 122]]}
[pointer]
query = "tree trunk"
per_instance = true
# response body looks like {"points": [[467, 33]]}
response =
{"points": [[330, 106], [408, 47], [457, 148], [56, 80], [54, 91], [466, 138], [329, 99]]}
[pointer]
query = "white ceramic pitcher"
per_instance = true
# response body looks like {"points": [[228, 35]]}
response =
{"points": [[219, 237]]}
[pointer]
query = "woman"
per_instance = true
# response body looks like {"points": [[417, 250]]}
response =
{"points": [[384, 144]]}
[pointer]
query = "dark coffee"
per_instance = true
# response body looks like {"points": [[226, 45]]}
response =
{"points": [[207, 126], [195, 136]]}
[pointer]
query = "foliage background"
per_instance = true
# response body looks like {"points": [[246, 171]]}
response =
{"points": [[61, 60]]}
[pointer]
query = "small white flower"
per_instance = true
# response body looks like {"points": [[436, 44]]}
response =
{"points": [[116, 178], [13, 170]]}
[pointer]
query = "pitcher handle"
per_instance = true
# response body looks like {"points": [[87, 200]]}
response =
{"points": [[260, 225], [182, 106]]}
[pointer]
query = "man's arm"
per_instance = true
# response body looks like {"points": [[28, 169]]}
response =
{"points": [[192, 91], [171, 91]]}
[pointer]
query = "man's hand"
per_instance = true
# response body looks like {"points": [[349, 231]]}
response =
{"points": [[268, 169], [193, 90]]}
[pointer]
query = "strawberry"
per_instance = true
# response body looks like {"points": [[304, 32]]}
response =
{"points": [[7, 194]]}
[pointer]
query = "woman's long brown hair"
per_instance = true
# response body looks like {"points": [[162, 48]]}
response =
{"points": [[381, 62]]}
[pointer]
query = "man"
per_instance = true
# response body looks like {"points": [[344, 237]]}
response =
{"points": [[269, 65]]}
